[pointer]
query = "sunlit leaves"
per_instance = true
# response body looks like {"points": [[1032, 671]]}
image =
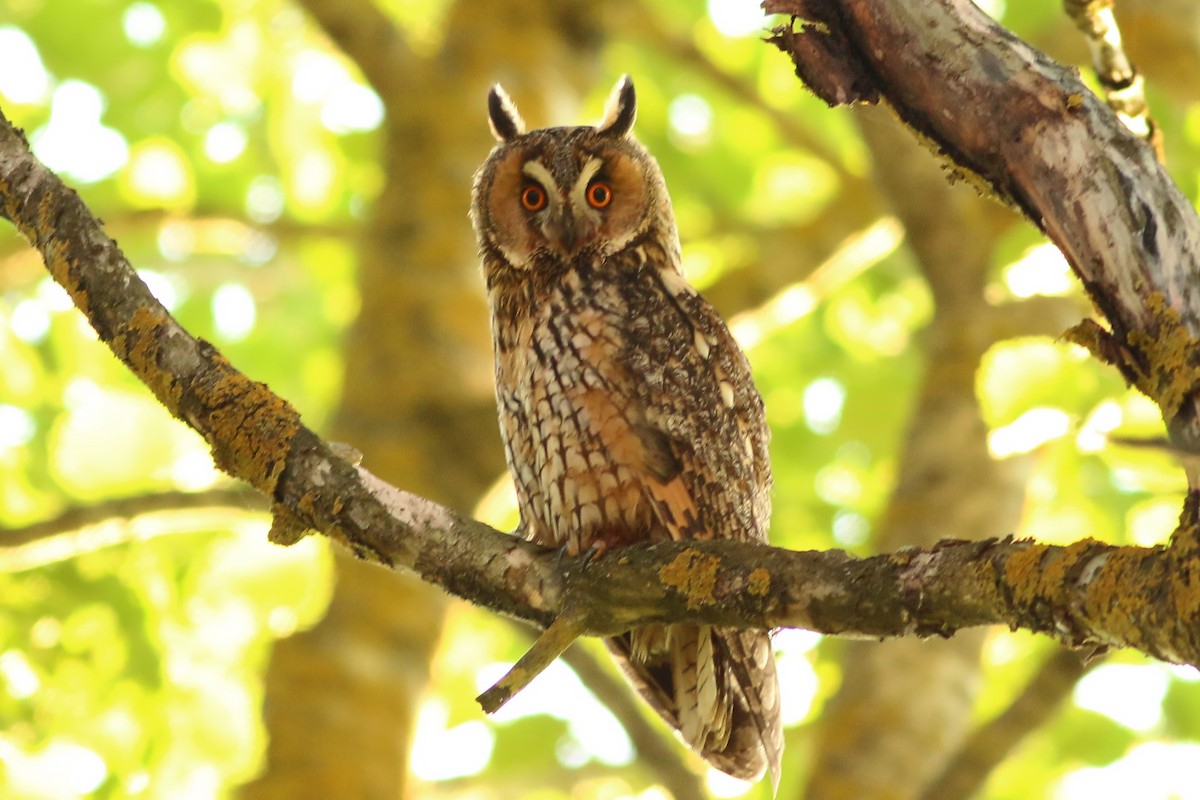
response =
{"points": [[233, 152]]}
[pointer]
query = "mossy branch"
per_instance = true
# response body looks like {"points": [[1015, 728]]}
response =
{"points": [[1087, 594]]}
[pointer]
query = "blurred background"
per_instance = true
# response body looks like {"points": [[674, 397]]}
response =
{"points": [[292, 181]]}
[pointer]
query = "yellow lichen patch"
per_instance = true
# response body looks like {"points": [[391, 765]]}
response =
{"points": [[251, 429], [286, 527], [1022, 571], [1185, 591], [1169, 349], [1120, 596], [138, 346], [1097, 341], [59, 266], [694, 575], [1038, 573], [1059, 572], [1185, 539], [759, 582]]}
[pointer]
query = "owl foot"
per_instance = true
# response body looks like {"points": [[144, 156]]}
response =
{"points": [[597, 549]]}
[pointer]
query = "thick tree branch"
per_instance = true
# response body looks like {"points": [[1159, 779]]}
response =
{"points": [[1086, 593], [1028, 129], [1035, 135]]}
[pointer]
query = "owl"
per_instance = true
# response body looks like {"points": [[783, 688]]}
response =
{"points": [[627, 410]]}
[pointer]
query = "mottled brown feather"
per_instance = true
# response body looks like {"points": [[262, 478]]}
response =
{"points": [[627, 410]]}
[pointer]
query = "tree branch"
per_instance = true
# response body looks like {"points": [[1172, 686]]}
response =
{"points": [[1057, 152], [1124, 88], [125, 508], [81, 529], [1083, 594]]}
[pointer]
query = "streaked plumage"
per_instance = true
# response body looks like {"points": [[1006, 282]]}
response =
{"points": [[627, 410]]}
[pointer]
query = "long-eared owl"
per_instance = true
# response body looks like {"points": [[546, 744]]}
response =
{"points": [[627, 410]]}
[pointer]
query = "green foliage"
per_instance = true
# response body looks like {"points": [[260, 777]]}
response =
{"points": [[241, 153]]}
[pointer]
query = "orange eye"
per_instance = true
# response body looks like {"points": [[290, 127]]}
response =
{"points": [[533, 198], [599, 194]]}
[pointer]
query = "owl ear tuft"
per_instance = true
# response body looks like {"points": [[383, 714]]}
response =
{"points": [[620, 111], [503, 117]]}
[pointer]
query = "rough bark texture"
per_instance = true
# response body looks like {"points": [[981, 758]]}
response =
{"points": [[947, 70], [1025, 127], [1028, 128]]}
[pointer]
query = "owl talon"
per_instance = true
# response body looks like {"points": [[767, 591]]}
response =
{"points": [[598, 548], [562, 553]]}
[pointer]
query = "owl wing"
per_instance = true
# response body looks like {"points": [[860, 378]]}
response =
{"points": [[696, 412], [689, 402]]}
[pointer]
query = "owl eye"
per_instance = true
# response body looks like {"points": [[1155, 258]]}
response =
{"points": [[599, 194], [533, 198]]}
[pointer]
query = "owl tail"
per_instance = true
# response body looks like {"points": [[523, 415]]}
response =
{"points": [[717, 687]]}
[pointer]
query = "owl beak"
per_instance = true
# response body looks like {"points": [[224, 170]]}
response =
{"points": [[565, 232]]}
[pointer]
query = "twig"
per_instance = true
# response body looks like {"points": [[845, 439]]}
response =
{"points": [[85, 529], [1124, 87], [127, 507], [549, 645]]}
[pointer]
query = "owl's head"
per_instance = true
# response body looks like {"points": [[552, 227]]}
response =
{"points": [[557, 195]]}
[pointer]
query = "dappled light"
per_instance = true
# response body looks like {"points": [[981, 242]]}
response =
{"points": [[294, 190]]}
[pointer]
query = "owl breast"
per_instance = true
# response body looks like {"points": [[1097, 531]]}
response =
{"points": [[572, 441], [628, 412]]}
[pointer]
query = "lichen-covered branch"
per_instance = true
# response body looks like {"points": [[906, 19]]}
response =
{"points": [[255, 436], [1027, 129], [1087, 593]]}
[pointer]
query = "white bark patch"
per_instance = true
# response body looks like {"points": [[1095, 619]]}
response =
{"points": [[410, 509], [1091, 568], [320, 475]]}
